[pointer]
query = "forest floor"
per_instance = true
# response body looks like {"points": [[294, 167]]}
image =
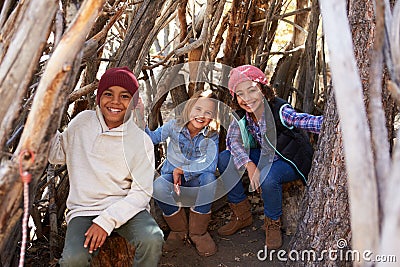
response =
{"points": [[240, 249]]}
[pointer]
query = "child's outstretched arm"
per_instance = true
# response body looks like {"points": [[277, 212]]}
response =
{"points": [[303, 121], [161, 133]]}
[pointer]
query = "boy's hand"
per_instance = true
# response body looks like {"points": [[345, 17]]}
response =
{"points": [[95, 237], [254, 176]]}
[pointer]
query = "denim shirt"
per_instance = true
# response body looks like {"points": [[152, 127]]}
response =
{"points": [[194, 155]]}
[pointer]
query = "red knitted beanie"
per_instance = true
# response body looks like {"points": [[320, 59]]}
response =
{"points": [[245, 73], [121, 76]]}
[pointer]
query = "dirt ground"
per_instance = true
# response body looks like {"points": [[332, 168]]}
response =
{"points": [[240, 249]]}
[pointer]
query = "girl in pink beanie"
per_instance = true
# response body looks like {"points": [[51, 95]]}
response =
{"points": [[250, 146]]}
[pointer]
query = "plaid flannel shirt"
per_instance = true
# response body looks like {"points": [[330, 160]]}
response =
{"points": [[290, 118]]}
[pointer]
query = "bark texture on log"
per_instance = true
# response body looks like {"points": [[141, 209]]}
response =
{"points": [[324, 216], [116, 252], [292, 195]]}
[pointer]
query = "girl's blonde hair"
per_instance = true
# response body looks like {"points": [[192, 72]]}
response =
{"points": [[184, 118]]}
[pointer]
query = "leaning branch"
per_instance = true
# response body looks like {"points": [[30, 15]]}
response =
{"points": [[296, 12], [203, 35], [75, 95]]}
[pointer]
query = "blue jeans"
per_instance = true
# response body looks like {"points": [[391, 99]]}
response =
{"points": [[141, 231], [198, 192], [271, 179]]}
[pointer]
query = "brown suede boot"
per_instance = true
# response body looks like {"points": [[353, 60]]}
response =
{"points": [[198, 224], [178, 224], [273, 235], [240, 218]]}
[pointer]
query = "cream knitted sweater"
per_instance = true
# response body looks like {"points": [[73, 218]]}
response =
{"points": [[110, 170]]}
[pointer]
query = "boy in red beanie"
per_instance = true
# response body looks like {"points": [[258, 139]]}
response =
{"points": [[110, 164]]}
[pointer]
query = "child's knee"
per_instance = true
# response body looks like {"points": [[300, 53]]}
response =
{"points": [[269, 183], [153, 240], [223, 159], [207, 178], [76, 258]]}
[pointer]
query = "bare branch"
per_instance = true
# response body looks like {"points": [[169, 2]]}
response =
{"points": [[390, 229], [379, 132], [22, 47], [288, 52], [296, 12], [75, 95], [203, 35], [4, 12], [56, 73]]}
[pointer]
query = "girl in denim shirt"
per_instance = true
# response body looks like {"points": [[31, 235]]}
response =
{"points": [[188, 173]]}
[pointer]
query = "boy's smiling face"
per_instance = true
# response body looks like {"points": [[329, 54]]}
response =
{"points": [[114, 103]]}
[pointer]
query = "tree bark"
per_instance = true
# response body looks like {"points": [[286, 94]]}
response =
{"points": [[325, 219], [356, 142], [115, 252], [47, 107], [137, 42], [23, 39]]}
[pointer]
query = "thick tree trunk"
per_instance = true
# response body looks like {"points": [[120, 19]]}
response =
{"points": [[326, 218]]}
